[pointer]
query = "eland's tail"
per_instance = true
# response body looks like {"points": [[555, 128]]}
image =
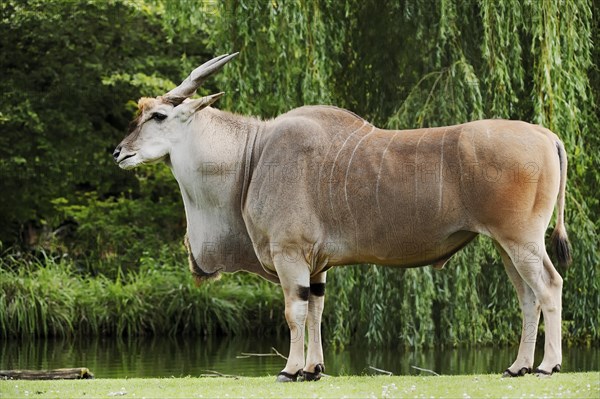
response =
{"points": [[560, 241]]}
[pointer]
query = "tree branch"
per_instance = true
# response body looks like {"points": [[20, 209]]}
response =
{"points": [[426, 370]]}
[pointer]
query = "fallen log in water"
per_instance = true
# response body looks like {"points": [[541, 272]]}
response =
{"points": [[78, 373]]}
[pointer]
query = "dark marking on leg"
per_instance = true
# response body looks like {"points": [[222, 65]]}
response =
{"points": [[317, 289], [303, 293]]}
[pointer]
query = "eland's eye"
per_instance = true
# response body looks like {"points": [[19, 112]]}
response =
{"points": [[159, 116]]}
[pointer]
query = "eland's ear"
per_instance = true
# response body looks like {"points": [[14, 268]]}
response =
{"points": [[204, 102], [190, 107]]}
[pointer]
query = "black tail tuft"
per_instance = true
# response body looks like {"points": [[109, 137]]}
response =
{"points": [[560, 244]]}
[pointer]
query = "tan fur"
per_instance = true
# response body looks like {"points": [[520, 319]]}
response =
{"points": [[145, 103]]}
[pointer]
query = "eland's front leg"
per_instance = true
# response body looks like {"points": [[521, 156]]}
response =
{"points": [[314, 358], [295, 281]]}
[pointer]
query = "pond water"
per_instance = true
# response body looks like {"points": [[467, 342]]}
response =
{"points": [[183, 356]]}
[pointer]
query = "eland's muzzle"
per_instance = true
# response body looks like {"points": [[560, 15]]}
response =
{"points": [[116, 153]]}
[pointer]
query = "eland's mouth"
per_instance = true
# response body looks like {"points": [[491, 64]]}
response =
{"points": [[121, 157], [127, 157], [127, 162]]}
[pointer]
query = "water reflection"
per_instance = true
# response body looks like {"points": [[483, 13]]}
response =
{"points": [[182, 356]]}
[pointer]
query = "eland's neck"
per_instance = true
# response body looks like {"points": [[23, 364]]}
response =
{"points": [[211, 165]]}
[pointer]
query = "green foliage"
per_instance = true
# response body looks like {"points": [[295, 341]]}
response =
{"points": [[68, 69], [50, 298], [72, 72], [299, 67], [427, 103], [114, 234]]}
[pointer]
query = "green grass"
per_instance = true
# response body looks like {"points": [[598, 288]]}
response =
{"points": [[52, 299], [564, 385]]}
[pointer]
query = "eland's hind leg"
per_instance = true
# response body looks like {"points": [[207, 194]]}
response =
{"points": [[530, 310], [552, 309], [535, 268]]}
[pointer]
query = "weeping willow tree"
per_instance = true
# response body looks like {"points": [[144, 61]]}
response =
{"points": [[419, 63]]}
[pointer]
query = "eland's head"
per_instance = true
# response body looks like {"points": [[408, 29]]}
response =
{"points": [[159, 123]]}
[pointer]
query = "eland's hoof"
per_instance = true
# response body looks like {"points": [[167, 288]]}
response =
{"points": [[287, 377], [520, 373], [541, 373], [314, 376]]}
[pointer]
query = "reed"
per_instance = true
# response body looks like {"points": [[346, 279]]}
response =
{"points": [[460, 305], [53, 299]]}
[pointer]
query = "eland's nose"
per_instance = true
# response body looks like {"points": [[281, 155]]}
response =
{"points": [[116, 153]]}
